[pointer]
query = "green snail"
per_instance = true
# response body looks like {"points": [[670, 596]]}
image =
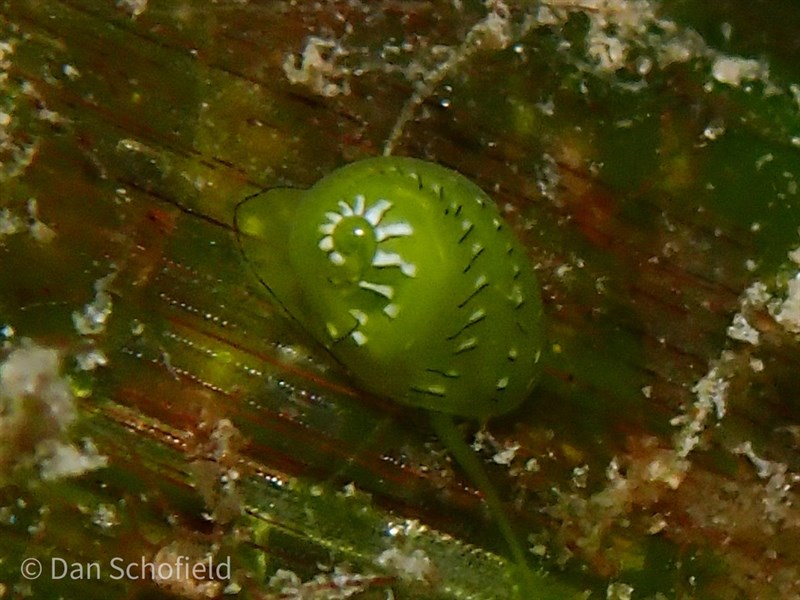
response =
{"points": [[407, 274]]}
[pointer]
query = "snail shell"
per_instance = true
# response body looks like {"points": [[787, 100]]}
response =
{"points": [[406, 272]]}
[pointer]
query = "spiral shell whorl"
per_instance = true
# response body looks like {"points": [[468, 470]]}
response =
{"points": [[406, 272], [351, 238]]}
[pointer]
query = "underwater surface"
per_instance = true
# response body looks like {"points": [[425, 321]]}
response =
{"points": [[171, 426]]}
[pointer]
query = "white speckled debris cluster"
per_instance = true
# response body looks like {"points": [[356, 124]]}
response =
{"points": [[37, 410]]}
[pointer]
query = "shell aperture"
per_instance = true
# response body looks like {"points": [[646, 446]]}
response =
{"points": [[406, 272]]}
